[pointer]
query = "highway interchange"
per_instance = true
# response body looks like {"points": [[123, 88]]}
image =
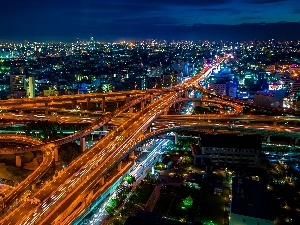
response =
{"points": [[82, 174]]}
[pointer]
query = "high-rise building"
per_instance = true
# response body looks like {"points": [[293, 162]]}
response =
{"points": [[31, 87], [17, 86], [231, 89]]}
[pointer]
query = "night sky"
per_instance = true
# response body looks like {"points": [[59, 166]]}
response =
{"points": [[115, 20]]}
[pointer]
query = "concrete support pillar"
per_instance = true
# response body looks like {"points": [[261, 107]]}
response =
{"points": [[131, 110], [21, 112], [166, 111], [142, 104], [88, 103], [46, 112], [46, 104], [186, 93], [104, 127], [103, 104], [55, 149], [82, 144], [81, 106], [18, 160], [33, 187], [176, 138], [117, 104], [120, 166], [44, 155], [102, 181], [74, 103], [131, 155], [151, 98], [128, 99]]}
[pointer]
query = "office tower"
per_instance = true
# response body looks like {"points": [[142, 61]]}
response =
{"points": [[31, 89]]}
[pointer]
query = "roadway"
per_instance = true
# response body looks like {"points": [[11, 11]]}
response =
{"points": [[63, 102], [75, 116], [110, 152], [17, 139], [102, 155], [167, 100], [48, 159], [258, 128], [113, 154], [49, 147], [94, 163]]}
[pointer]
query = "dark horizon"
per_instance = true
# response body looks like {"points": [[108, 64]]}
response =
{"points": [[214, 32], [193, 20]]}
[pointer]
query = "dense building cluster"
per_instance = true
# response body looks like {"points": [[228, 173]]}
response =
{"points": [[264, 72]]}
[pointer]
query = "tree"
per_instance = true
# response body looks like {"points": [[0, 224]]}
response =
{"points": [[69, 151], [117, 222], [187, 203], [47, 130], [129, 179], [109, 209]]}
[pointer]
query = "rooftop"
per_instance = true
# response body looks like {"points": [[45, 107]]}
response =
{"points": [[231, 141], [250, 198]]}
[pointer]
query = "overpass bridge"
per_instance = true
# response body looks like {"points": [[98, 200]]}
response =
{"points": [[159, 105], [52, 149], [48, 159], [92, 166], [154, 134], [91, 117]]}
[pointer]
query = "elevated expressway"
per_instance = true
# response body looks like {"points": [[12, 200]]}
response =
{"points": [[67, 215], [48, 159], [65, 103], [254, 124], [26, 118], [93, 157], [82, 175], [17, 139], [51, 147], [89, 168]]}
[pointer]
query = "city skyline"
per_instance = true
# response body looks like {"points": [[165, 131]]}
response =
{"points": [[227, 20]]}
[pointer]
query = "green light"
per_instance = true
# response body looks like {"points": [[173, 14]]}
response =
{"points": [[106, 87], [5, 68], [209, 223], [129, 179], [187, 203], [113, 202]]}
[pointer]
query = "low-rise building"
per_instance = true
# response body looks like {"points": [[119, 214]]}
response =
{"points": [[270, 98], [226, 150], [218, 88], [250, 203]]}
